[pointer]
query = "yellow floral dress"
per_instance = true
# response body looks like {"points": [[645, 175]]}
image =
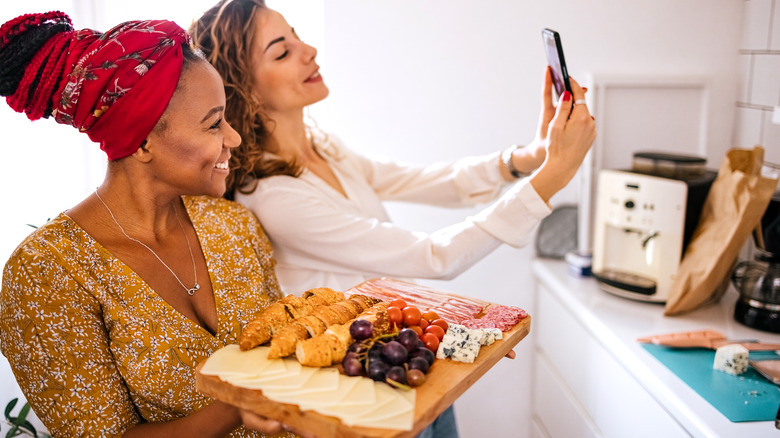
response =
{"points": [[95, 350]]}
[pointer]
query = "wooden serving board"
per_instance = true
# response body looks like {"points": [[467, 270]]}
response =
{"points": [[446, 381]]}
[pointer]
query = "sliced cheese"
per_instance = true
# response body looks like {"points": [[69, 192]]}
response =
{"points": [[397, 405], [231, 361], [349, 414], [292, 379], [356, 401], [403, 421], [362, 393], [314, 400], [323, 379]]}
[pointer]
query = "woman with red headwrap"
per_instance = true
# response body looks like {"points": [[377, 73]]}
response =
{"points": [[106, 309]]}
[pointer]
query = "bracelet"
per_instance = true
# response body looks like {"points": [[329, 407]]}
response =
{"points": [[506, 157]]}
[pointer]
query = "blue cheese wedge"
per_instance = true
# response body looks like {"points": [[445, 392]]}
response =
{"points": [[732, 359], [460, 344], [490, 335]]}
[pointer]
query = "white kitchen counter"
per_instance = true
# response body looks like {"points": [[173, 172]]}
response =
{"points": [[615, 323]]}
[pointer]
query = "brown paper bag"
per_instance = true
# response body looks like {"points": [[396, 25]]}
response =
{"points": [[734, 205]]}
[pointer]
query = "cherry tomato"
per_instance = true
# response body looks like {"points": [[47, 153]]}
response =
{"points": [[436, 330], [430, 315], [423, 323], [395, 316], [441, 323], [411, 315], [416, 329], [431, 341], [398, 303]]}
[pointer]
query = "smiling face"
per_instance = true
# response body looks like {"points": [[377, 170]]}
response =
{"points": [[191, 143], [285, 71]]}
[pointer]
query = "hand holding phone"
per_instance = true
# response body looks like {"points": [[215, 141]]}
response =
{"points": [[554, 50]]}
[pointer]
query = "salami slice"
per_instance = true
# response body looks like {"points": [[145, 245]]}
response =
{"points": [[498, 316]]}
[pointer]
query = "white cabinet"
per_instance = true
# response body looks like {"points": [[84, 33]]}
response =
{"points": [[591, 378], [580, 390]]}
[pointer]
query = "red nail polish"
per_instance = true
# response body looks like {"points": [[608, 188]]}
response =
{"points": [[566, 96]]}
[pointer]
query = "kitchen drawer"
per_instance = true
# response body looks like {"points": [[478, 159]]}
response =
{"points": [[617, 404], [557, 412]]}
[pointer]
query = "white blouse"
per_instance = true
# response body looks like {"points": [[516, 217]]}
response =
{"points": [[322, 239]]}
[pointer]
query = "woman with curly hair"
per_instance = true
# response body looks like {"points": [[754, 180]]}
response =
{"points": [[321, 203]]}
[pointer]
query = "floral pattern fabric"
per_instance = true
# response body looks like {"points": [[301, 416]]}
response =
{"points": [[95, 350]]}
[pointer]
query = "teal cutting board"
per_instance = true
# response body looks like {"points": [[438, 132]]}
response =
{"points": [[747, 397]]}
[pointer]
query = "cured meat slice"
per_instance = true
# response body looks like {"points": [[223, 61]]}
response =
{"points": [[452, 308], [498, 316]]}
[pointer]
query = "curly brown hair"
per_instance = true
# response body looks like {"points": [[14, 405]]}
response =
{"points": [[226, 33]]}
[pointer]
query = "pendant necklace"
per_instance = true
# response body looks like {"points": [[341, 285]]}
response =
{"points": [[190, 291]]}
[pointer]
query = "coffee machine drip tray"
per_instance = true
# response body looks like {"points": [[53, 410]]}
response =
{"points": [[627, 285]]}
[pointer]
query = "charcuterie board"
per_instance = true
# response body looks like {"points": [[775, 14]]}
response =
{"points": [[446, 381]]}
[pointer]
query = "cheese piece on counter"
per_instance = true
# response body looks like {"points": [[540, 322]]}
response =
{"points": [[231, 361], [732, 359]]}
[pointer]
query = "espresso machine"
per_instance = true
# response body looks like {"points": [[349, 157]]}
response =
{"points": [[644, 219]]}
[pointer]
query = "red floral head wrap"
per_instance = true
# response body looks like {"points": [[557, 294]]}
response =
{"points": [[114, 86]]}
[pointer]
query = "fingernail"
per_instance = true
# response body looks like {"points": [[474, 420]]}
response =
{"points": [[566, 96], [592, 117]]}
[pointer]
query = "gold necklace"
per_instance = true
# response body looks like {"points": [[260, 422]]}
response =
{"points": [[190, 291]]}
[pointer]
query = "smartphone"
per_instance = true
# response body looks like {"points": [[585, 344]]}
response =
{"points": [[554, 50]]}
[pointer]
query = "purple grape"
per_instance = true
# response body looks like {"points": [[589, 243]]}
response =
{"points": [[396, 374], [377, 370], [375, 352], [394, 353], [408, 338], [361, 329], [352, 365], [426, 354], [419, 363]]}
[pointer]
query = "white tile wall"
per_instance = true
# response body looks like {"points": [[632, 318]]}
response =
{"points": [[775, 36], [765, 81], [759, 88], [756, 24], [745, 70], [748, 127], [770, 139]]}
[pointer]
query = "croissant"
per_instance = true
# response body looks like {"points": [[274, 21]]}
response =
{"points": [[276, 316], [326, 349], [284, 341], [331, 346], [329, 295]]}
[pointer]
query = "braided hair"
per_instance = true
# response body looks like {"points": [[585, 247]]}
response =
{"points": [[33, 50]]}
